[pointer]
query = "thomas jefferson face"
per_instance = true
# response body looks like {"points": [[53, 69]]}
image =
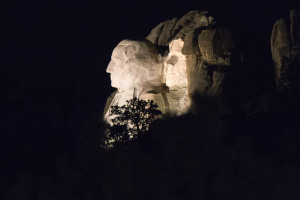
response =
{"points": [[175, 65], [134, 63]]}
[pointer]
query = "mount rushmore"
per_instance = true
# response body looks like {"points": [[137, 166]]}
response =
{"points": [[184, 56]]}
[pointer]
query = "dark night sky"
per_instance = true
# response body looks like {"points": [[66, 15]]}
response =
{"points": [[68, 42], [54, 55], [56, 52]]}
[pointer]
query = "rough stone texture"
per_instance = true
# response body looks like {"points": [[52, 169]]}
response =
{"points": [[166, 33], [135, 69], [155, 33], [216, 46], [285, 42], [280, 45], [207, 71], [135, 65], [190, 21], [175, 78], [191, 44], [199, 58], [138, 70], [169, 30], [208, 47]]}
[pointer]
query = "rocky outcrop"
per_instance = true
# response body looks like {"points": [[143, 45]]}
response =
{"points": [[200, 55], [280, 45], [138, 70], [216, 46], [169, 30], [285, 46], [208, 47]]}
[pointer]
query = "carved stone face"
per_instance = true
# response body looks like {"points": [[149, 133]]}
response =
{"points": [[135, 63], [116, 65], [175, 66]]}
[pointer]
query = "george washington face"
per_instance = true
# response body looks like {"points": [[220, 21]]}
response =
{"points": [[134, 63]]}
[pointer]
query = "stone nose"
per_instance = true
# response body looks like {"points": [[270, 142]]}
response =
{"points": [[110, 67]]}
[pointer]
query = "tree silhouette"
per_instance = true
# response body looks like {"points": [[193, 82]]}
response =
{"points": [[132, 120]]}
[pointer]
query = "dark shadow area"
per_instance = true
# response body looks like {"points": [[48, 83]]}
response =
{"points": [[54, 87]]}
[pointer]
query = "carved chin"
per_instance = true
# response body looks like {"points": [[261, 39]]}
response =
{"points": [[115, 85]]}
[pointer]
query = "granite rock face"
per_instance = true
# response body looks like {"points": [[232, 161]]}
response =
{"points": [[280, 45], [135, 69], [138, 70], [169, 30], [200, 55], [208, 70], [285, 44], [175, 78], [135, 65], [208, 47]]}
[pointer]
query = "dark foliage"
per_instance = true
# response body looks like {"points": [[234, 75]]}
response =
{"points": [[210, 154], [132, 120]]}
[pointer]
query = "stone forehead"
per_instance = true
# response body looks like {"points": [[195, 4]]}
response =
{"points": [[123, 45], [135, 49], [176, 45]]}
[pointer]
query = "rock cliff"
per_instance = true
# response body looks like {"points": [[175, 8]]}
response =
{"points": [[209, 49], [199, 59], [285, 47]]}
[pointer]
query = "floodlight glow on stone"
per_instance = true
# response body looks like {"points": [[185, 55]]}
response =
{"points": [[138, 70]]}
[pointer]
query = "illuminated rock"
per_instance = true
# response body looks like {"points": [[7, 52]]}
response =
{"points": [[173, 29], [135, 65], [285, 41], [216, 45], [175, 78], [208, 71], [208, 66], [209, 50], [166, 34], [138, 70], [175, 66], [199, 56], [280, 45]]}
